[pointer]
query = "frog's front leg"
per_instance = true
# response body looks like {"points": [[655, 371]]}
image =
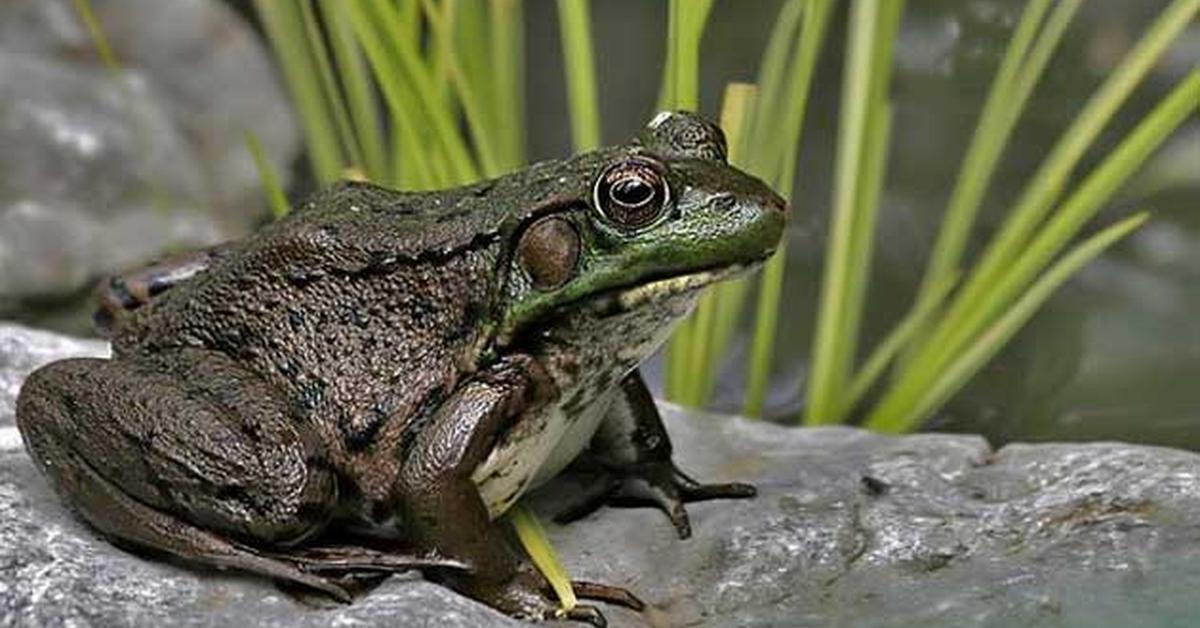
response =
{"points": [[443, 508], [123, 293], [634, 450]]}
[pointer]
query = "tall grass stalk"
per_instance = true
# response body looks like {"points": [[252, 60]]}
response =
{"points": [[160, 198], [434, 62], [862, 143], [275, 196], [541, 552], [1028, 241], [763, 132], [1018, 74], [686, 20], [718, 308], [575, 24], [901, 408], [952, 330], [777, 163]]}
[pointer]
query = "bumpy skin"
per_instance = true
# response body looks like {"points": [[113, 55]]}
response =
{"points": [[363, 386]]}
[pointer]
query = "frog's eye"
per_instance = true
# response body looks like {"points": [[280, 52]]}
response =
{"points": [[632, 195], [549, 252]]}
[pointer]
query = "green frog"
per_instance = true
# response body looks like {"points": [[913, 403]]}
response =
{"points": [[366, 385]]}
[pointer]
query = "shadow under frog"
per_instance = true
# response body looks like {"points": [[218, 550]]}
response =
{"points": [[394, 370]]}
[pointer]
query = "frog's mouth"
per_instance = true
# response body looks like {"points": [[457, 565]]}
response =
{"points": [[677, 289], [626, 299]]}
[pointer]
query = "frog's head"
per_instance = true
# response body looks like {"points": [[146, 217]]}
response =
{"points": [[640, 223]]}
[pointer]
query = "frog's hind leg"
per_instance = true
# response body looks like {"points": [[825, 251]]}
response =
{"points": [[189, 455], [129, 522]]}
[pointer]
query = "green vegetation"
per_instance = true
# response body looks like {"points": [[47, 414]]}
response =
{"points": [[338, 56], [450, 75], [953, 342]]}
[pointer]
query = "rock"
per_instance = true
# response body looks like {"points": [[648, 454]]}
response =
{"points": [[850, 529], [114, 168], [22, 350]]}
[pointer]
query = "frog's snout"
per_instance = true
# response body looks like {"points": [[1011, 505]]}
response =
{"points": [[779, 204]]}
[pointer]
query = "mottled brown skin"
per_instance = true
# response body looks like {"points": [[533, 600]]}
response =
{"points": [[338, 376]]}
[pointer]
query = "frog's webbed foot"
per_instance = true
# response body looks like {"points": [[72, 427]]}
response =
{"points": [[657, 485], [527, 595], [634, 454]]}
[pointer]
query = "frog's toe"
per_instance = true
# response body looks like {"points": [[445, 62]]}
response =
{"points": [[658, 485], [527, 595], [607, 593], [581, 613]]}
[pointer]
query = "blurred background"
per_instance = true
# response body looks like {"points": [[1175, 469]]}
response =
{"points": [[102, 169]]}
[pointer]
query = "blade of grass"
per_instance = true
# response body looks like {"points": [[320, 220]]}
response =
{"points": [[870, 188], [335, 102], [887, 350], [507, 53], [1039, 196], [533, 538], [285, 30], [1089, 198], [692, 16], [1000, 113], [872, 28], [472, 46], [813, 30], [981, 350], [161, 200], [576, 33], [434, 55], [358, 88], [411, 157], [276, 199], [680, 90], [83, 8], [861, 247], [476, 112], [666, 90], [407, 64], [767, 143], [698, 350]]}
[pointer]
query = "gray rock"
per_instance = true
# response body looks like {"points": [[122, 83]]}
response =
{"points": [[850, 529], [107, 169], [22, 350]]}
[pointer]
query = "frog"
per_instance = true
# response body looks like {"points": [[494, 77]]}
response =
{"points": [[368, 384]]}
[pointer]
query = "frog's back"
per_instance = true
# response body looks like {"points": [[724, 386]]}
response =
{"points": [[365, 314]]}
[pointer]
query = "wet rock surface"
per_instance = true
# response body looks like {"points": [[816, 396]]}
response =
{"points": [[850, 529]]}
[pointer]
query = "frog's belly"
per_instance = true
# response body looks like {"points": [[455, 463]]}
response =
{"points": [[535, 450]]}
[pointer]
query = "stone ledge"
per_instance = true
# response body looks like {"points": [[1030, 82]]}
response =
{"points": [[850, 529]]}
